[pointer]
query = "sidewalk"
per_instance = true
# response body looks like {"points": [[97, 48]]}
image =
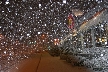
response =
{"points": [[46, 63], [54, 64], [27, 65]]}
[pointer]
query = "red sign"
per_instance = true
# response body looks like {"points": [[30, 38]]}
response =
{"points": [[70, 21]]}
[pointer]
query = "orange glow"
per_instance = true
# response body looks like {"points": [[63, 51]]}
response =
{"points": [[56, 41]]}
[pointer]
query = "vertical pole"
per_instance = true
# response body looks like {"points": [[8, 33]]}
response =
{"points": [[93, 38], [82, 40], [107, 32]]}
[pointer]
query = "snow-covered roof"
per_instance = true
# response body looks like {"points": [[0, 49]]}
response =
{"points": [[96, 18]]}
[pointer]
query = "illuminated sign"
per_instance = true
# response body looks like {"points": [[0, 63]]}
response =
{"points": [[70, 21]]}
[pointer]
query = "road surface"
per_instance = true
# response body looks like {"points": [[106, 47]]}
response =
{"points": [[43, 62]]}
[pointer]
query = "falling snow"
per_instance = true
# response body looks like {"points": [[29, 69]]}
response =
{"points": [[27, 24]]}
